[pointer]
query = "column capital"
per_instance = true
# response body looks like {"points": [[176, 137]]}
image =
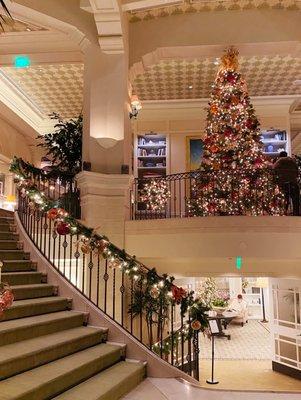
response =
{"points": [[95, 183]]}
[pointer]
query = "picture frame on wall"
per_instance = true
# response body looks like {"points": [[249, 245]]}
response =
{"points": [[194, 152]]}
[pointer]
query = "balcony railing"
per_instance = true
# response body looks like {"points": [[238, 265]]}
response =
{"points": [[174, 196]]}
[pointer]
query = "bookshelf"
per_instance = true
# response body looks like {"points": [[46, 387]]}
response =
{"points": [[274, 141], [151, 155]]}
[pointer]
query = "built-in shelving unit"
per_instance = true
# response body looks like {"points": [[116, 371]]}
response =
{"points": [[275, 141], [151, 154]]}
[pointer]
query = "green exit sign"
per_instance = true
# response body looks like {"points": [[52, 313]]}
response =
{"points": [[238, 262], [22, 62]]}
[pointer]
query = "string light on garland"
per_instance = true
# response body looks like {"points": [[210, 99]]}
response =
{"points": [[159, 291]]}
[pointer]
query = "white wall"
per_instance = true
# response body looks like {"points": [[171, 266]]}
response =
{"points": [[13, 143], [208, 246]]}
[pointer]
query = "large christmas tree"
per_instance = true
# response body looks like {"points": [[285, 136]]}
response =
{"points": [[235, 178]]}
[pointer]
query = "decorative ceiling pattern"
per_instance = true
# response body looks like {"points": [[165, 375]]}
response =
{"points": [[198, 6], [18, 26], [265, 76], [51, 88]]}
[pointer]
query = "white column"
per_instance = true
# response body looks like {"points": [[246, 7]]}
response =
{"points": [[106, 142], [104, 203]]}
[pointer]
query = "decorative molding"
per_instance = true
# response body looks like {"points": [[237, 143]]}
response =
{"points": [[201, 6], [108, 19], [23, 107]]}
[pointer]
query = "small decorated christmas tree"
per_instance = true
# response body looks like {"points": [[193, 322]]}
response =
{"points": [[236, 179]]}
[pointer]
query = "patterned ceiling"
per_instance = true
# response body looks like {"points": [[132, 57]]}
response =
{"points": [[174, 79], [52, 88], [198, 6]]}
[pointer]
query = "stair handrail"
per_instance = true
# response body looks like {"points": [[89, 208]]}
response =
{"points": [[143, 292]]}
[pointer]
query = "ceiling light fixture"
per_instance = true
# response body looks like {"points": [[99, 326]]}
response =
{"points": [[190, 87], [216, 62], [136, 106]]}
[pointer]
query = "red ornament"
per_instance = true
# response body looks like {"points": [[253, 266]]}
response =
{"points": [[251, 123], [228, 132], [231, 78], [178, 293], [196, 325], [62, 228]]}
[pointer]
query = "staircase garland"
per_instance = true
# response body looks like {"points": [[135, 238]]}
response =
{"points": [[157, 288]]}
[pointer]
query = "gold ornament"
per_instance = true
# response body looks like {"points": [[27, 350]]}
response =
{"points": [[85, 248], [229, 59]]}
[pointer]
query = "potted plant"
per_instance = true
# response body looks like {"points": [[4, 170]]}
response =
{"points": [[220, 302]]}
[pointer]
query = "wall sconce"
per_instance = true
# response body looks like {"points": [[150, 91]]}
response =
{"points": [[135, 106]]}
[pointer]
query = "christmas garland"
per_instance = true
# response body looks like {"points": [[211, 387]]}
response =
{"points": [[30, 169], [152, 294]]}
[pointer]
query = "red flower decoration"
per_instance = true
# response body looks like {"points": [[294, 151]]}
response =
{"points": [[6, 300], [62, 228], [53, 213], [178, 293]]}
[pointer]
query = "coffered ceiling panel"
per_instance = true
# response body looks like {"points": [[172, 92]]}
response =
{"points": [[199, 6], [180, 79], [51, 88]]}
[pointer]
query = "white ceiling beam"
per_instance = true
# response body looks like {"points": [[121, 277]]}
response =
{"points": [[139, 5], [16, 101]]}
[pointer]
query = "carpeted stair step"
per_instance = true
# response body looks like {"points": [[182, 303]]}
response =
{"points": [[30, 307], [6, 219], [18, 266], [8, 235], [6, 213], [10, 245], [14, 255], [27, 328], [111, 384], [51, 379], [23, 278], [33, 291], [6, 227], [23, 356]]}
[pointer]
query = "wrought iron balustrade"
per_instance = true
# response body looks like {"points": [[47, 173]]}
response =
{"points": [[161, 326], [179, 192]]}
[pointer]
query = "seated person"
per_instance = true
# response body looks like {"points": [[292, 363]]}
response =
{"points": [[240, 306]]}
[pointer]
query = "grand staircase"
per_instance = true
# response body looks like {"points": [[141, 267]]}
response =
{"points": [[47, 350]]}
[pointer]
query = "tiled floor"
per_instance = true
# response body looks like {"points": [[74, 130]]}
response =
{"points": [[172, 389]]}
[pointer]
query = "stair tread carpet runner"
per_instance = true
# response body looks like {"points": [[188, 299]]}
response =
{"points": [[46, 349]]}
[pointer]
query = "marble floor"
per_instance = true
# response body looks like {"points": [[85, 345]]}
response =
{"points": [[173, 389]]}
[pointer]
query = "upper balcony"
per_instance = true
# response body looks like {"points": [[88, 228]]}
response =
{"points": [[173, 228]]}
